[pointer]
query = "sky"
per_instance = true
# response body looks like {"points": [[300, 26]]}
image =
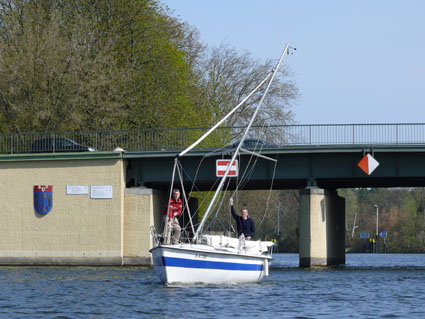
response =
{"points": [[359, 61]]}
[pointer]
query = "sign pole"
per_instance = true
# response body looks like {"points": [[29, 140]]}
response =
{"points": [[377, 234]]}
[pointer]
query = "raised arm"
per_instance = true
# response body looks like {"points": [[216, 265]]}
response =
{"points": [[232, 210]]}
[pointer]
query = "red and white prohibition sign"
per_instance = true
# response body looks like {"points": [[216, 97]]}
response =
{"points": [[221, 167]]}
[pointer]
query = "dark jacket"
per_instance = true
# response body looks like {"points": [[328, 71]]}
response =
{"points": [[244, 226]]}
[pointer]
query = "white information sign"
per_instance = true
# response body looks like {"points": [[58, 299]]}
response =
{"points": [[101, 191], [77, 190]]}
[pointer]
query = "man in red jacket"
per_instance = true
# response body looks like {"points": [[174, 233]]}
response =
{"points": [[174, 209]]}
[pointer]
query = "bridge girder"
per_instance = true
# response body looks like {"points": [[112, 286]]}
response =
{"points": [[328, 167]]}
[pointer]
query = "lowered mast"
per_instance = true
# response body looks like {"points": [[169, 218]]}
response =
{"points": [[220, 186]]}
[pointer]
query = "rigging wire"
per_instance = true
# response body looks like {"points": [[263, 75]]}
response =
{"points": [[248, 172], [194, 186], [169, 197], [240, 184], [179, 171], [268, 199], [217, 209]]}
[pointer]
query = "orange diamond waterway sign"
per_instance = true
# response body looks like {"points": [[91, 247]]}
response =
{"points": [[368, 164]]}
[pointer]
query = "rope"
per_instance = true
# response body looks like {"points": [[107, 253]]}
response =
{"points": [[240, 182], [268, 199], [248, 172], [168, 200], [184, 194], [217, 210], [197, 189]]}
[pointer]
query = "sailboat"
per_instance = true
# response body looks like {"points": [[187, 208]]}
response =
{"points": [[216, 259]]}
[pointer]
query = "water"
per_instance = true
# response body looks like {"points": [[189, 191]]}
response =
{"points": [[380, 286]]}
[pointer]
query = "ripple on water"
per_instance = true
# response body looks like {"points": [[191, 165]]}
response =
{"points": [[386, 286]]}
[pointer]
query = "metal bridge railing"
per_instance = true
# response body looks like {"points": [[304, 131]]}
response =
{"points": [[177, 139]]}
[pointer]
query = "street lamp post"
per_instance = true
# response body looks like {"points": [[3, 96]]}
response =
{"points": [[354, 226], [377, 233]]}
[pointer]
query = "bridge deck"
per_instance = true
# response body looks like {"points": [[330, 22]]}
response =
{"points": [[322, 155], [328, 167]]}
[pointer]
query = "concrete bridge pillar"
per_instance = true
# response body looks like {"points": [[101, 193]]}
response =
{"points": [[143, 208], [321, 228]]}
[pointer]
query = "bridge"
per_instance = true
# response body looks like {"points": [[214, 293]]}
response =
{"points": [[324, 166], [325, 156], [317, 159]]}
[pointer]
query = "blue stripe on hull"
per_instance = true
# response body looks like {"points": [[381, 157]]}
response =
{"points": [[190, 263]]}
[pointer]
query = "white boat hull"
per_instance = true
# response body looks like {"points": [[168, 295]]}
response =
{"points": [[191, 264]]}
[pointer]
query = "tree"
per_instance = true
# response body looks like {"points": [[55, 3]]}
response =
{"points": [[229, 76], [81, 64], [351, 214], [33, 65], [86, 65]]}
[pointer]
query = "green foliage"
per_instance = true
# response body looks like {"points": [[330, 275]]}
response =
{"points": [[400, 215], [68, 65], [266, 209], [114, 64]]}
